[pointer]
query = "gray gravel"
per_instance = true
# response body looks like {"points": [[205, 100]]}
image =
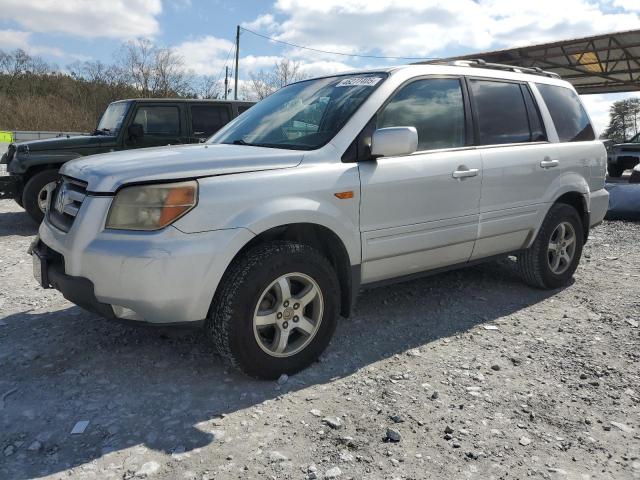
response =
{"points": [[468, 374]]}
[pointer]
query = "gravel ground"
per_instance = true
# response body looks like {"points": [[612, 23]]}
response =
{"points": [[468, 375]]}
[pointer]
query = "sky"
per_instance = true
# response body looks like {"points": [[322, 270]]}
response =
{"points": [[203, 31]]}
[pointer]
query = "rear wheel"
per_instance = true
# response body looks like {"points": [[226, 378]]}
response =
{"points": [[554, 256], [36, 193], [276, 309], [615, 170]]}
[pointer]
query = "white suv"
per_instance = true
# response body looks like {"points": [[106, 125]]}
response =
{"points": [[265, 233]]}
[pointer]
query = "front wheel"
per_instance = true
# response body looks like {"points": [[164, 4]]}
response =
{"points": [[276, 309], [36, 193], [554, 256]]}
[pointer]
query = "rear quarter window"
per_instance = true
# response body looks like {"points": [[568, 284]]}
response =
{"points": [[567, 113]]}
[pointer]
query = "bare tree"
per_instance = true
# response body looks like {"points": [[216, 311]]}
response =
{"points": [[155, 71], [264, 83]]}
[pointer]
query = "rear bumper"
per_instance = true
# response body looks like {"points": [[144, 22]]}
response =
{"points": [[9, 187], [598, 206]]}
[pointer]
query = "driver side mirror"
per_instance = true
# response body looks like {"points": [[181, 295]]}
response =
{"points": [[394, 141], [135, 130]]}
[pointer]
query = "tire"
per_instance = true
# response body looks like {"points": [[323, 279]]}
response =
{"points": [[535, 263], [249, 285], [34, 189], [615, 170]]}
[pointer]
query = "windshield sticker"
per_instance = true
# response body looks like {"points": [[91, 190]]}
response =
{"points": [[358, 82]]}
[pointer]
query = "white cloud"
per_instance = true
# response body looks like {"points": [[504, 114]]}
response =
{"points": [[208, 56], [14, 39], [205, 55], [429, 27], [122, 19]]}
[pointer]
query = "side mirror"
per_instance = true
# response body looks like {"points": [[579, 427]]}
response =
{"points": [[394, 141], [135, 130]]}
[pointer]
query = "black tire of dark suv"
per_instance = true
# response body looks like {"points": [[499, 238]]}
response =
{"points": [[33, 192]]}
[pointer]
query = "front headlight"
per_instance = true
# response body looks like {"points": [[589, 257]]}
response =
{"points": [[151, 207]]}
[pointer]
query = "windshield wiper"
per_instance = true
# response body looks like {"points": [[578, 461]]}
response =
{"points": [[102, 131], [285, 146]]}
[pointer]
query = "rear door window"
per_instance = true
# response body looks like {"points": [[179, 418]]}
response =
{"points": [[158, 120], [500, 111], [435, 107], [567, 113], [208, 119]]}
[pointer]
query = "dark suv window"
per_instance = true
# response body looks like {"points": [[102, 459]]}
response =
{"points": [[208, 119], [434, 107], [159, 120], [501, 112], [567, 113]]}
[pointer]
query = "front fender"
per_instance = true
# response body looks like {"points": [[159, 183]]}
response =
{"points": [[278, 212], [260, 201], [21, 162]]}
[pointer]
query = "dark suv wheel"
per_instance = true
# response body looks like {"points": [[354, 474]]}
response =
{"points": [[276, 309], [554, 256], [36, 193]]}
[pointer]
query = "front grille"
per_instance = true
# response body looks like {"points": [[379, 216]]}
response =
{"points": [[66, 200]]}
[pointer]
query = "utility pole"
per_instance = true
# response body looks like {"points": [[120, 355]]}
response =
{"points": [[226, 81], [235, 92]]}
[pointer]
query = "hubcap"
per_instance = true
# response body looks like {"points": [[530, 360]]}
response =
{"points": [[288, 315], [562, 248], [43, 195]]}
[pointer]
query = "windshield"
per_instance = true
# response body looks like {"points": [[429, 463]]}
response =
{"points": [[113, 117], [635, 138], [302, 116]]}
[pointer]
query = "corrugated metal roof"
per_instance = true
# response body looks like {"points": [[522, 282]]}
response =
{"points": [[605, 63]]}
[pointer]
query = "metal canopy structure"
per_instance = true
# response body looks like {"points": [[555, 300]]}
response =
{"points": [[606, 63]]}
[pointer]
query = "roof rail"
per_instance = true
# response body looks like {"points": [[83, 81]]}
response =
{"points": [[479, 63]]}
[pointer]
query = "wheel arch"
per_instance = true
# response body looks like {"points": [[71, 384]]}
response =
{"points": [[578, 201], [327, 242]]}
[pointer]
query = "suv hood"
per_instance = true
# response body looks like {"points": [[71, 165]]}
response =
{"points": [[107, 172], [60, 143]]}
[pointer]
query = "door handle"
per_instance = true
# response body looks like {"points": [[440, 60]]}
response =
{"points": [[469, 172], [549, 163]]}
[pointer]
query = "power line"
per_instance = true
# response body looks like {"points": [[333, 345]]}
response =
{"points": [[225, 64], [337, 53]]}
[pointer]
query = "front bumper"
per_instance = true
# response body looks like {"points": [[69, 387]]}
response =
{"points": [[77, 290], [9, 187], [164, 277]]}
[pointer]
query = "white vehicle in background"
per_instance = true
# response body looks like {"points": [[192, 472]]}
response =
{"points": [[266, 233]]}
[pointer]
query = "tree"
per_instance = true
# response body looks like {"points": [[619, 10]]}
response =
{"points": [[624, 120], [155, 71], [264, 83]]}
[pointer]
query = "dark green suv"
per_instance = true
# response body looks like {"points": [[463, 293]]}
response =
{"points": [[137, 123]]}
